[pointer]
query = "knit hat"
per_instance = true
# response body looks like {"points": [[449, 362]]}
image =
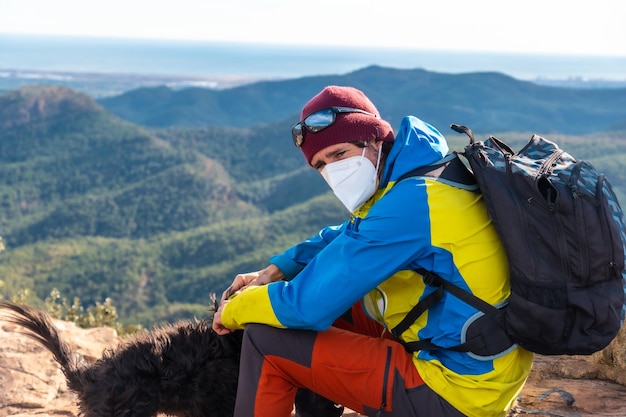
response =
{"points": [[348, 127]]}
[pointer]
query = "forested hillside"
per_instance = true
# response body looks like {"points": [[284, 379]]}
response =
{"points": [[98, 207], [157, 218]]}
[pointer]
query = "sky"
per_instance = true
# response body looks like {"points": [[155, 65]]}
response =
{"points": [[530, 26]]}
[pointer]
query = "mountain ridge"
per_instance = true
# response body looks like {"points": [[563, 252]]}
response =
{"points": [[486, 101]]}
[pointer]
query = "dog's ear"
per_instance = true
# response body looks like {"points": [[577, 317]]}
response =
{"points": [[213, 306]]}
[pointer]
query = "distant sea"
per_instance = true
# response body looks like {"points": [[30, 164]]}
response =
{"points": [[24, 57]]}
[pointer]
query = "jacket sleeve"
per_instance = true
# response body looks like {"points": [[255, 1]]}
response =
{"points": [[394, 236], [294, 259]]}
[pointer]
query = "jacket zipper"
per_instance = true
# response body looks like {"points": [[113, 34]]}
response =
{"points": [[385, 383]]}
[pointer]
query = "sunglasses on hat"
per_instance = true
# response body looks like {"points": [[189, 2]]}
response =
{"points": [[320, 120]]}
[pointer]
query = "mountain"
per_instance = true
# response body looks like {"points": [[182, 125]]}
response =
{"points": [[108, 208], [65, 158], [97, 206], [486, 102]]}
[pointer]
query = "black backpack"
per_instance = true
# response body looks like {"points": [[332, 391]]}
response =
{"points": [[565, 238]]}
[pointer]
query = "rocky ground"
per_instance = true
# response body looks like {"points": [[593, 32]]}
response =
{"points": [[32, 385]]}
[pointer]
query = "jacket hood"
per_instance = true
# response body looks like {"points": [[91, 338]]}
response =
{"points": [[416, 144]]}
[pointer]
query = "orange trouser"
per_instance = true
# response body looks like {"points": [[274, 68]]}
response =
{"points": [[371, 375]]}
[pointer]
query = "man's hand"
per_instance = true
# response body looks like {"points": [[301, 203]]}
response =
{"points": [[242, 281], [262, 277], [217, 325]]}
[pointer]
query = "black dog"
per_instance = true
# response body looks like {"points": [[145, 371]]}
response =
{"points": [[184, 369]]}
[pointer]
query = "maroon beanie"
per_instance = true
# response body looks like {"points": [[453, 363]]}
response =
{"points": [[348, 127]]}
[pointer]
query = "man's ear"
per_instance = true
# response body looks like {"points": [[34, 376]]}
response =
{"points": [[378, 145]]}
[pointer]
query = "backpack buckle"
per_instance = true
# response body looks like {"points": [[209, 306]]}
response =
{"points": [[430, 278]]}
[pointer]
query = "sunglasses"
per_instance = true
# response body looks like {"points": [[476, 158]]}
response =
{"points": [[320, 120]]}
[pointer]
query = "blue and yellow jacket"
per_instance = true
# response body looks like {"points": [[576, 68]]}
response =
{"points": [[407, 225]]}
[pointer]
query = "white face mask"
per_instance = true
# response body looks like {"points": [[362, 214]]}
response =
{"points": [[353, 180]]}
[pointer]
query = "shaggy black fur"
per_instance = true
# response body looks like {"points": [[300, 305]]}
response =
{"points": [[184, 369]]}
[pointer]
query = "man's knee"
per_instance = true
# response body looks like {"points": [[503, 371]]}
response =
{"points": [[294, 345]]}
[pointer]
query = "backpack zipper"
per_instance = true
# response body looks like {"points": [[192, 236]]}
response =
{"points": [[546, 171], [603, 208], [521, 210], [580, 220]]}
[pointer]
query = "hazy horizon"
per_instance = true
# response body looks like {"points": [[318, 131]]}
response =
{"points": [[228, 59]]}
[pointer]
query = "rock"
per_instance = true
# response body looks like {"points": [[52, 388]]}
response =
{"points": [[558, 386], [570, 387], [32, 383]]}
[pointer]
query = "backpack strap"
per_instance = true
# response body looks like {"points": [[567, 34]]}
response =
{"points": [[450, 170], [487, 339], [491, 338]]}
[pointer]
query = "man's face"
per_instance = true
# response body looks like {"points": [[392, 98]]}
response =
{"points": [[334, 153]]}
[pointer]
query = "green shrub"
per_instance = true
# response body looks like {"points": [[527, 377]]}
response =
{"points": [[100, 315]]}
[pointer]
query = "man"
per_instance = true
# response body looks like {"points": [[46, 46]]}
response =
{"points": [[398, 226]]}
